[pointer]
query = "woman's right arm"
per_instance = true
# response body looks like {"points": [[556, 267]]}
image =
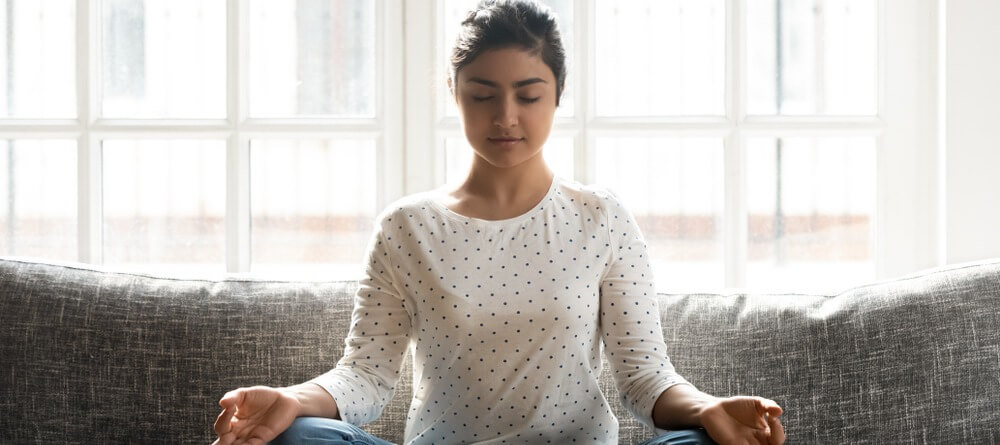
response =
{"points": [[363, 380], [365, 377], [258, 414], [314, 401]]}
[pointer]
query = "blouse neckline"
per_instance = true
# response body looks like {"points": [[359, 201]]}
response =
{"points": [[468, 220]]}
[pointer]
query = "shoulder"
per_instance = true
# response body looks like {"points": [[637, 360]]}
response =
{"points": [[597, 196], [409, 207]]}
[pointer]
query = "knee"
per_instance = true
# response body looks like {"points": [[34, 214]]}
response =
{"points": [[305, 428]]}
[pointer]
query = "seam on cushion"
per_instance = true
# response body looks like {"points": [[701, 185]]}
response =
{"points": [[85, 268], [95, 268]]}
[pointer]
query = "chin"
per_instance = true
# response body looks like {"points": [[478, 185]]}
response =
{"points": [[503, 161]]}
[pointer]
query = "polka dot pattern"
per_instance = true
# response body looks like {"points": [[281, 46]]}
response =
{"points": [[507, 321]]}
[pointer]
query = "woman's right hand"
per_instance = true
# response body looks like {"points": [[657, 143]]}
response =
{"points": [[255, 415]]}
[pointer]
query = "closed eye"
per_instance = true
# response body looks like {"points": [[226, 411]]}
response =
{"points": [[523, 99]]}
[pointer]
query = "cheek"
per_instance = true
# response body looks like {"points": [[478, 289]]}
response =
{"points": [[539, 119], [474, 116]]}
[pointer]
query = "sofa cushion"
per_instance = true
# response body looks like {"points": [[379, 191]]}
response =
{"points": [[104, 357], [909, 360], [113, 358], [93, 356]]}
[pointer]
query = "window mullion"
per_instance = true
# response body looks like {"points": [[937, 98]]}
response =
{"points": [[392, 145], [586, 51], [89, 172], [238, 204], [734, 225], [735, 214], [237, 145], [424, 78]]}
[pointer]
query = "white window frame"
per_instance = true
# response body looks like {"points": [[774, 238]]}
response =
{"points": [[905, 229], [409, 128], [237, 129]]}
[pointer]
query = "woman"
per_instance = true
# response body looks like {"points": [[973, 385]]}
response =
{"points": [[507, 286]]}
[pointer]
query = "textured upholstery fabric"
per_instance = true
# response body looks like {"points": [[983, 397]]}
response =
{"points": [[91, 356]]}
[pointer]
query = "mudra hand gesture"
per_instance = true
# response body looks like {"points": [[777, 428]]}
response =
{"points": [[744, 420], [254, 415]]}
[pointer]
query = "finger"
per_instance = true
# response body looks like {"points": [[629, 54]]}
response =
{"points": [[223, 422], [775, 411], [777, 432], [762, 436], [259, 434], [761, 410], [770, 406], [234, 397], [252, 441], [225, 439]]}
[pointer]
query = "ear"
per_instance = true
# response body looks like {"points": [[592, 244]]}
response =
{"points": [[451, 89]]}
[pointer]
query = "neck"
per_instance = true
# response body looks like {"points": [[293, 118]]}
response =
{"points": [[508, 185]]}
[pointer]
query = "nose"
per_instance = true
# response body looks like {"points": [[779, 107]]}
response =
{"points": [[506, 114]]}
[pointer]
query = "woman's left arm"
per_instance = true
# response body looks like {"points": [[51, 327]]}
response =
{"points": [[649, 386], [740, 419], [680, 407]]}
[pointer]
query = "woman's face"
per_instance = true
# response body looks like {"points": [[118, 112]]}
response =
{"points": [[507, 100]]}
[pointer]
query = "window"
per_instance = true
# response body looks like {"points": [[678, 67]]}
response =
{"points": [[211, 135], [751, 139], [754, 144]]}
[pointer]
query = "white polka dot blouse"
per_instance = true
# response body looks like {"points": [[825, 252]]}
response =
{"points": [[506, 321]]}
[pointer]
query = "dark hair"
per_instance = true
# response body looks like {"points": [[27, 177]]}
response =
{"points": [[525, 24]]}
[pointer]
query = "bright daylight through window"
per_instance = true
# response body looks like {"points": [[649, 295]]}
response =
{"points": [[181, 134]]}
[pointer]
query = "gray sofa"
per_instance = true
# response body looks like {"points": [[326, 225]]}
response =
{"points": [[92, 356]]}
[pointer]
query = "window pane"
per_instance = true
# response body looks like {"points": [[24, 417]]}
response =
{"points": [[811, 205], [454, 13], [313, 202], [38, 199], [674, 187], [312, 58], [38, 66], [812, 57], [661, 57], [165, 204], [558, 154], [164, 58]]}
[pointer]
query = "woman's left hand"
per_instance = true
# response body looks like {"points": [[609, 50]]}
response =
{"points": [[743, 420]]}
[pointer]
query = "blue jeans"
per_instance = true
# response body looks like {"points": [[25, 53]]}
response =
{"points": [[323, 431], [696, 436]]}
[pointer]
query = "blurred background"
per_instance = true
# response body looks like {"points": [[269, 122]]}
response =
{"points": [[780, 145]]}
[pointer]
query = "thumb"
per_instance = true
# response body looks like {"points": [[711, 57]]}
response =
{"points": [[232, 398], [768, 406]]}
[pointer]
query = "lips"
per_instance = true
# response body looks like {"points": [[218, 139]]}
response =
{"points": [[505, 143]]}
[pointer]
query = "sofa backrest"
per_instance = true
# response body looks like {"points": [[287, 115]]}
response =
{"points": [[104, 357]]}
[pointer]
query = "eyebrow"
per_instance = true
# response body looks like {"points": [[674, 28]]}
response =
{"points": [[517, 84]]}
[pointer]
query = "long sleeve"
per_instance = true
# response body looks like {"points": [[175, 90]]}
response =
{"points": [[364, 379], [630, 318]]}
